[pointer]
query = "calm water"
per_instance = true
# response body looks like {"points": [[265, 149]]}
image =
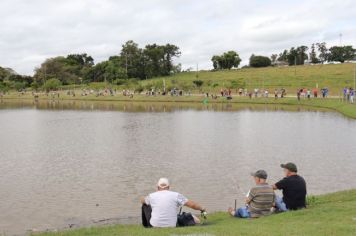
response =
{"points": [[61, 166]]}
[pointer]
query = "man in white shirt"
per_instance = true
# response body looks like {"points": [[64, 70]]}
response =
{"points": [[165, 203]]}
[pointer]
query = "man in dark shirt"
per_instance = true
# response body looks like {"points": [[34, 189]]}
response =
{"points": [[293, 187]]}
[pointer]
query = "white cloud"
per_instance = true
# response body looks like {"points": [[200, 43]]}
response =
{"points": [[31, 31]]}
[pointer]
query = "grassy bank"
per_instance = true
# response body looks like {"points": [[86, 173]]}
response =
{"points": [[331, 214], [335, 77]]}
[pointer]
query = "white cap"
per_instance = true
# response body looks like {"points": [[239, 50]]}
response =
{"points": [[163, 182]]}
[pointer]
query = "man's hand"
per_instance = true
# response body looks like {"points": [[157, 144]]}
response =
{"points": [[274, 187], [203, 213], [143, 200]]}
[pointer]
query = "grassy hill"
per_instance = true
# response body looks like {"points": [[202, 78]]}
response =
{"points": [[331, 214], [335, 77]]}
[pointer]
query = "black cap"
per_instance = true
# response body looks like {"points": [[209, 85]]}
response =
{"points": [[262, 174], [290, 166]]}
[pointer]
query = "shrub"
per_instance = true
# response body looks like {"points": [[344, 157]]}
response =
{"points": [[52, 84]]}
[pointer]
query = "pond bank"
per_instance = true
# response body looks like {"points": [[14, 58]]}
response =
{"points": [[330, 214]]}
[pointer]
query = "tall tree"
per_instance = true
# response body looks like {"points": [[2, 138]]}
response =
{"points": [[323, 51], [297, 56], [312, 56], [131, 56], [283, 57], [170, 52], [274, 58]]}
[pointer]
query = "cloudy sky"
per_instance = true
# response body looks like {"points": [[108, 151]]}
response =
{"points": [[33, 30]]}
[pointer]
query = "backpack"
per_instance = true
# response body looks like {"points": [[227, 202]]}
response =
{"points": [[185, 219], [146, 215]]}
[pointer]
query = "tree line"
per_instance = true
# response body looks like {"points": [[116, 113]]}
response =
{"points": [[131, 63], [154, 60], [318, 53]]}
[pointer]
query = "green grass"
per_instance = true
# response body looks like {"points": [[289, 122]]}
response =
{"points": [[335, 77], [331, 214]]}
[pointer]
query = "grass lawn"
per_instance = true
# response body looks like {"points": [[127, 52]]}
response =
{"points": [[335, 77], [331, 214]]}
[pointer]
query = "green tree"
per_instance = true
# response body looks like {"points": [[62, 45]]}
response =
{"points": [[52, 84], [170, 52], [228, 60], [217, 62], [341, 54], [297, 55], [68, 70], [259, 61], [323, 51], [132, 60], [283, 57], [313, 57], [274, 58]]}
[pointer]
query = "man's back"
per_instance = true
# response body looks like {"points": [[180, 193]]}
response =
{"points": [[262, 198], [164, 207], [294, 191]]}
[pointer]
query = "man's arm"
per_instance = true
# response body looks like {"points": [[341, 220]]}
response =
{"points": [[250, 196], [145, 200], [194, 205], [279, 185]]}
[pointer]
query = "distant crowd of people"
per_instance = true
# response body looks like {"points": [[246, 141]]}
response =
{"points": [[349, 94], [307, 93]]}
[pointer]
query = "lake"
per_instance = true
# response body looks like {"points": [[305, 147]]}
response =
{"points": [[84, 163]]}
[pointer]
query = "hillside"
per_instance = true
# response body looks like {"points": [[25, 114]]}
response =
{"points": [[335, 77]]}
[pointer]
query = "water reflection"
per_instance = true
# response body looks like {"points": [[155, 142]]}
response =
{"points": [[144, 106]]}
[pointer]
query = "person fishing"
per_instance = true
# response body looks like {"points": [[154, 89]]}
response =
{"points": [[159, 209], [259, 200], [294, 189]]}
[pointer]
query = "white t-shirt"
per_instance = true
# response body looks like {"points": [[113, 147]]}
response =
{"points": [[164, 206]]}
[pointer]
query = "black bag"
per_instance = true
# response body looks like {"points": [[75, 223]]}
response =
{"points": [[185, 219], [146, 215]]}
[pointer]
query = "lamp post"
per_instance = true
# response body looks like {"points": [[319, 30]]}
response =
{"points": [[355, 77]]}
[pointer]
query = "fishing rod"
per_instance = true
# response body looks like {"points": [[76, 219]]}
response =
{"points": [[239, 190]]}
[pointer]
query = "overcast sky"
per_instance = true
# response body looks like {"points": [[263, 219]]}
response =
{"points": [[33, 30]]}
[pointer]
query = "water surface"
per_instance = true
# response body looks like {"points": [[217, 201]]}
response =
{"points": [[65, 164]]}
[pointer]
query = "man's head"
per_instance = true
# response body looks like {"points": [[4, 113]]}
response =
{"points": [[289, 169], [163, 184], [259, 176]]}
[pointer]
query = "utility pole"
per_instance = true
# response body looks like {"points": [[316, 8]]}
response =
{"points": [[126, 66], [197, 75], [295, 65], [355, 77]]}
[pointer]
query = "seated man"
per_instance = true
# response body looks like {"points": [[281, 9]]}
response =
{"points": [[164, 204], [294, 189], [260, 199]]}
